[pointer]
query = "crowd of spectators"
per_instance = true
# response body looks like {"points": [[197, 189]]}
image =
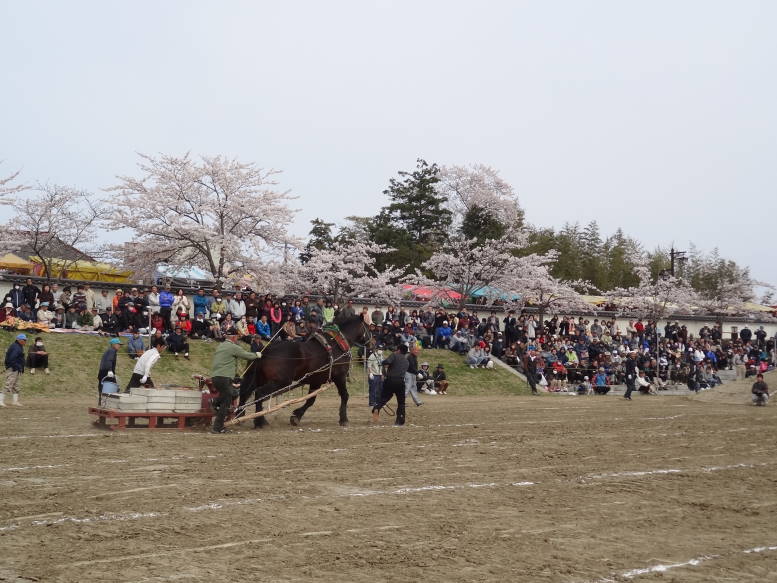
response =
{"points": [[561, 353]]}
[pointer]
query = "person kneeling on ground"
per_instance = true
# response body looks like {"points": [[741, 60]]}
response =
{"points": [[37, 357], [224, 370], [424, 381], [601, 384], [585, 387], [440, 380], [141, 374], [760, 391]]}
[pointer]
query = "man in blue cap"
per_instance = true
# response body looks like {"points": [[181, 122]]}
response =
{"points": [[14, 368], [108, 365]]}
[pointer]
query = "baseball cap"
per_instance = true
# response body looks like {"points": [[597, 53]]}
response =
{"points": [[115, 341], [21, 337]]}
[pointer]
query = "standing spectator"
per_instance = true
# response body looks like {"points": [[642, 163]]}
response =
{"points": [[31, 293], [346, 312], [56, 292], [329, 312], [631, 374], [79, 299], [153, 300], [166, 305], [102, 302], [377, 316], [14, 368], [90, 296], [237, 306], [116, 301], [180, 304], [17, 296], [37, 357], [375, 374], [263, 328], [46, 295], [276, 317]]}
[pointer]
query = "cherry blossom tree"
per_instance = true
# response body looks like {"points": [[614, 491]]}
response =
{"points": [[535, 286], [347, 269], [55, 218], [467, 266], [7, 186], [477, 191], [655, 299], [219, 214]]}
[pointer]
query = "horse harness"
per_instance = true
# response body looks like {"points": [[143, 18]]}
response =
{"points": [[328, 337]]}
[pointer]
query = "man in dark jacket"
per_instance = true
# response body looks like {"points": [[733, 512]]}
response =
{"points": [[108, 365], [394, 384], [14, 368], [31, 293], [631, 374], [530, 369]]}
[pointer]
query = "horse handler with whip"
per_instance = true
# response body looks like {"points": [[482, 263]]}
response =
{"points": [[224, 369]]}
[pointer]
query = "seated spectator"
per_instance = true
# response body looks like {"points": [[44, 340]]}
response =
{"points": [[643, 385], [58, 321], [97, 321], [85, 320], [111, 322], [476, 356], [200, 326], [71, 318], [8, 313], [442, 335], [184, 323], [177, 342], [25, 314], [135, 347], [45, 315], [440, 380], [263, 328], [37, 357], [289, 331], [459, 342]]}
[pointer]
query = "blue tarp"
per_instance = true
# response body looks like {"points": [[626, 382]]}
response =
{"points": [[495, 293]]}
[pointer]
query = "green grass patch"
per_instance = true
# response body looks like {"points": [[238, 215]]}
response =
{"points": [[74, 360]]}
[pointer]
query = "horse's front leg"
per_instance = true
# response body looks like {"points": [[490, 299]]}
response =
{"points": [[296, 415], [342, 390]]}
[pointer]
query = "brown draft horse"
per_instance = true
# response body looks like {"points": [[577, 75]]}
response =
{"points": [[303, 363]]}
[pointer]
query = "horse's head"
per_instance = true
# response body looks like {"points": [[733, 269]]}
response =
{"points": [[356, 331]]}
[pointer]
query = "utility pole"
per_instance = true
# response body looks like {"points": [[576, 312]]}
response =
{"points": [[678, 256]]}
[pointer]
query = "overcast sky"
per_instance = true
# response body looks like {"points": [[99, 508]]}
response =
{"points": [[658, 117]]}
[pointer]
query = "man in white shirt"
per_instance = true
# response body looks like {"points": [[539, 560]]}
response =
{"points": [[102, 302], [236, 306], [141, 374], [153, 299]]}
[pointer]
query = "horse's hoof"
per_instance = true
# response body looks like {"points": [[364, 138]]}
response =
{"points": [[260, 424], [294, 420], [344, 423]]}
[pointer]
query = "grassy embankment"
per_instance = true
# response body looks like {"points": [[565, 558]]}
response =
{"points": [[74, 359]]}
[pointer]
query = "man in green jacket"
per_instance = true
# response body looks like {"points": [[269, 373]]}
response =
{"points": [[224, 370]]}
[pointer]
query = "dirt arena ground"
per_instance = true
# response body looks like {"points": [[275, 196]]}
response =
{"points": [[554, 488]]}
